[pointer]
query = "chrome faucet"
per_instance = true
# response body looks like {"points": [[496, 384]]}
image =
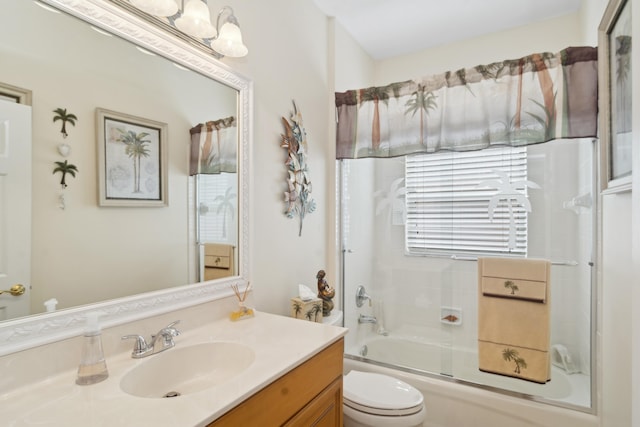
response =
{"points": [[163, 339], [367, 319]]}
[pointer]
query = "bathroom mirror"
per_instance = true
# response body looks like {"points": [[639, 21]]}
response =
{"points": [[184, 66]]}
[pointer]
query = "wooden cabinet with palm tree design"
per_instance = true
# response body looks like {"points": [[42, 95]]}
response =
{"points": [[309, 395]]}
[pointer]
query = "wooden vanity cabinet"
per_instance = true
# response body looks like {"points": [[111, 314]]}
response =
{"points": [[309, 395]]}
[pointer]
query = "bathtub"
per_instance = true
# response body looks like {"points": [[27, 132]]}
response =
{"points": [[452, 402]]}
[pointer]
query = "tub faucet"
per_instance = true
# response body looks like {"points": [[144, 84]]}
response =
{"points": [[367, 319], [163, 339]]}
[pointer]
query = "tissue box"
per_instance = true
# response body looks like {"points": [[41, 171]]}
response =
{"points": [[310, 310]]}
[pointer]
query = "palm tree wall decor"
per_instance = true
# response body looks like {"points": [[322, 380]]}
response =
{"points": [[64, 117], [133, 166], [136, 149], [65, 168]]}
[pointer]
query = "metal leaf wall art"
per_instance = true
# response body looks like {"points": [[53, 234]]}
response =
{"points": [[297, 197]]}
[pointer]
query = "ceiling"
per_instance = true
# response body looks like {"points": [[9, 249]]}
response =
{"points": [[387, 28]]}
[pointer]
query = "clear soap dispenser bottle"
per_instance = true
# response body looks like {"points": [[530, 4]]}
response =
{"points": [[92, 368]]}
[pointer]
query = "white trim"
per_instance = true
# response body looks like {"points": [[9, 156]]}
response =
{"points": [[32, 331]]}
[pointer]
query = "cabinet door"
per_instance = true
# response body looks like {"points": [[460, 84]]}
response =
{"points": [[323, 411], [280, 402]]}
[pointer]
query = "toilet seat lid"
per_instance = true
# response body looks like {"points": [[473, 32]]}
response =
{"points": [[381, 392]]}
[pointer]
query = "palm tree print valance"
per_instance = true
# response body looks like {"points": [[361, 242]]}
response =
{"points": [[214, 147], [533, 99]]}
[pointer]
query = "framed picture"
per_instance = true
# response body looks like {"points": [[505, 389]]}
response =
{"points": [[132, 160], [614, 59]]}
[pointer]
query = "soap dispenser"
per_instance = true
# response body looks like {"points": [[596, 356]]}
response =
{"points": [[92, 368]]}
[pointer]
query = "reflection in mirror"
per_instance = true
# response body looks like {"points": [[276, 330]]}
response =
{"points": [[84, 253]]}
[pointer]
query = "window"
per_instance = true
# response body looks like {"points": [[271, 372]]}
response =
{"points": [[467, 203], [216, 198]]}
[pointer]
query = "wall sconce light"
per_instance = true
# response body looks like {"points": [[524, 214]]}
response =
{"points": [[193, 18]]}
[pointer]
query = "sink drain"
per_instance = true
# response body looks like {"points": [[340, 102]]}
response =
{"points": [[172, 394]]}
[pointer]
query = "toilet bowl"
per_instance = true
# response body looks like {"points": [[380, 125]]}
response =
{"points": [[376, 400]]}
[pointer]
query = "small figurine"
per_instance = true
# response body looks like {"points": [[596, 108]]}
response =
{"points": [[325, 293]]}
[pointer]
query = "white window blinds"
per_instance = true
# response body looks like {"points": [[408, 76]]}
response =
{"points": [[452, 195], [216, 219]]}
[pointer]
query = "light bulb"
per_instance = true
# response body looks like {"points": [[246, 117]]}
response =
{"points": [[196, 20]]}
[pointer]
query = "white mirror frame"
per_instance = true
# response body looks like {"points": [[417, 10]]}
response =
{"points": [[32, 331]]}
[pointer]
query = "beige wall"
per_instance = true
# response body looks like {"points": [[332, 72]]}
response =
{"points": [[548, 36], [288, 60]]}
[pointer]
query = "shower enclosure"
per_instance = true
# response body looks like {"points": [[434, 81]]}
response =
{"points": [[410, 239]]}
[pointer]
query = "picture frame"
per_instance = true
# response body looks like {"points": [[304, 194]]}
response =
{"points": [[132, 160], [615, 79]]}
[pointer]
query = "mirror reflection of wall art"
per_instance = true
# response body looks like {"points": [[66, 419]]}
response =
{"points": [[615, 54], [132, 160]]}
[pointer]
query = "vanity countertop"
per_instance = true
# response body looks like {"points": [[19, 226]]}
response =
{"points": [[280, 344]]}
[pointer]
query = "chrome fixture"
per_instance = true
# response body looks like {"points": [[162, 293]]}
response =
{"points": [[190, 20], [363, 351], [164, 337], [367, 319], [361, 296]]}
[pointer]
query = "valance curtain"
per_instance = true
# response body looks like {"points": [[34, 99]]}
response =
{"points": [[533, 99], [214, 147]]}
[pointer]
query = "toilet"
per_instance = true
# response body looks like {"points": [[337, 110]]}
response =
{"points": [[376, 400], [334, 318]]}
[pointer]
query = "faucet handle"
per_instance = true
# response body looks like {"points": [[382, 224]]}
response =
{"points": [[140, 347], [172, 324], [167, 333], [170, 331], [361, 296]]}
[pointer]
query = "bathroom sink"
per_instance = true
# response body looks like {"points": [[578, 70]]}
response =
{"points": [[184, 370]]}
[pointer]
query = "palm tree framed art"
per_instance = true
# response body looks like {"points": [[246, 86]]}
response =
{"points": [[615, 76], [132, 160]]}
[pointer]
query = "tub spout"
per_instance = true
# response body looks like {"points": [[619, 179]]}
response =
{"points": [[367, 319]]}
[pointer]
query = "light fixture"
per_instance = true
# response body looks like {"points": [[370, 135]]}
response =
{"points": [[157, 7], [229, 40], [196, 20], [193, 18]]}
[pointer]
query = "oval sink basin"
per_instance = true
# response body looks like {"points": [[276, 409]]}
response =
{"points": [[184, 370]]}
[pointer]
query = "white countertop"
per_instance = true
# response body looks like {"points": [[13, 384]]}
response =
{"points": [[280, 344]]}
